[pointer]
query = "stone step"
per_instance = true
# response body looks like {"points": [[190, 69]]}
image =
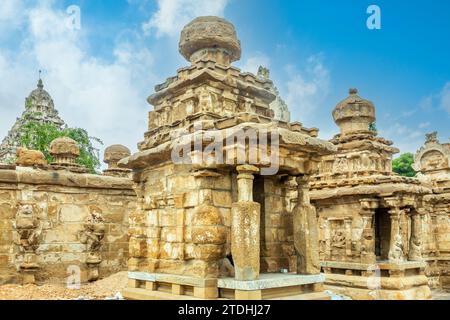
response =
{"points": [[307, 296], [144, 294]]}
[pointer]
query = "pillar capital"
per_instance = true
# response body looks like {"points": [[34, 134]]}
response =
{"points": [[369, 206], [247, 169]]}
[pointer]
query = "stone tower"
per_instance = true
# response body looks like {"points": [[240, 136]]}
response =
{"points": [[39, 107], [220, 223], [372, 222]]}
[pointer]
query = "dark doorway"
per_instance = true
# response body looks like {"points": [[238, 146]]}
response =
{"points": [[258, 196], [382, 234]]}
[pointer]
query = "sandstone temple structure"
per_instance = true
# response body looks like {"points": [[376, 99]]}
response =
{"points": [[219, 223], [57, 222], [432, 162], [39, 107], [226, 198], [372, 223]]}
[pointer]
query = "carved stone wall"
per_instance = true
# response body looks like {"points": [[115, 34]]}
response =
{"points": [[58, 203]]}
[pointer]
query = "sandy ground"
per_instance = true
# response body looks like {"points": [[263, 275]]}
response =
{"points": [[100, 290], [103, 289]]}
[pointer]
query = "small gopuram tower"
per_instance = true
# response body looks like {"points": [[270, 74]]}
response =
{"points": [[39, 107], [432, 162], [372, 222], [223, 205]]}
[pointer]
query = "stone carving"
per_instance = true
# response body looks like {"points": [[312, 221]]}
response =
{"points": [[432, 137], [434, 160], [415, 248], [30, 158], [28, 230], [396, 253], [338, 239], [92, 236]]}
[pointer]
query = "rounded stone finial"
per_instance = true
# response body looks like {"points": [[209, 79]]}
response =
{"points": [[64, 151], [211, 36], [115, 153], [354, 114]]}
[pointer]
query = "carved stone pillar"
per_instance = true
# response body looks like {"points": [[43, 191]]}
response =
{"points": [[245, 227], [415, 242], [396, 249], [368, 207], [209, 234], [306, 240]]}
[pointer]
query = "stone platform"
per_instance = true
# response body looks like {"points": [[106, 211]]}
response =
{"points": [[381, 281], [146, 286]]}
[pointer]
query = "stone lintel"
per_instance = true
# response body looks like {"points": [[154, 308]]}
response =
{"points": [[269, 281]]}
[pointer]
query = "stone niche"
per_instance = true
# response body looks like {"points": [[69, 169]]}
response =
{"points": [[58, 223], [208, 226]]}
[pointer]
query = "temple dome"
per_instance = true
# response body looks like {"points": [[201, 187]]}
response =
{"points": [[354, 114], [40, 97], [210, 34], [115, 153], [64, 151]]}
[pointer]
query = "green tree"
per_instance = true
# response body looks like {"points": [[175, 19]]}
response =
{"points": [[403, 165], [373, 127], [38, 136]]}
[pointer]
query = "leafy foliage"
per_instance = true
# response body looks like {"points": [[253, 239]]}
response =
{"points": [[373, 126], [38, 136], [403, 165]]}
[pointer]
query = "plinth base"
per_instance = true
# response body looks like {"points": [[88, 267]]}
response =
{"points": [[144, 286], [383, 281]]}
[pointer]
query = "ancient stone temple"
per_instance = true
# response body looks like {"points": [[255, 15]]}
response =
{"points": [[39, 107], [432, 162], [372, 223], [59, 223], [223, 203]]}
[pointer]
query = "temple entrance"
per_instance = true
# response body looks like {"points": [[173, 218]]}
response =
{"points": [[382, 234]]}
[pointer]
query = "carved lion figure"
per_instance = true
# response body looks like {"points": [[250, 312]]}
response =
{"points": [[29, 158], [396, 252]]}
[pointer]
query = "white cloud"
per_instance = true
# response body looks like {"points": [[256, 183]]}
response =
{"points": [[307, 88], [172, 15], [11, 16], [406, 138], [253, 63], [437, 100], [106, 98], [424, 125]]}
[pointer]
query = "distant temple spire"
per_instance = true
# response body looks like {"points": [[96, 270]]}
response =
{"points": [[39, 107], [40, 84]]}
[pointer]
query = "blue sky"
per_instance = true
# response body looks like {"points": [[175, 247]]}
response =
{"points": [[101, 74]]}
